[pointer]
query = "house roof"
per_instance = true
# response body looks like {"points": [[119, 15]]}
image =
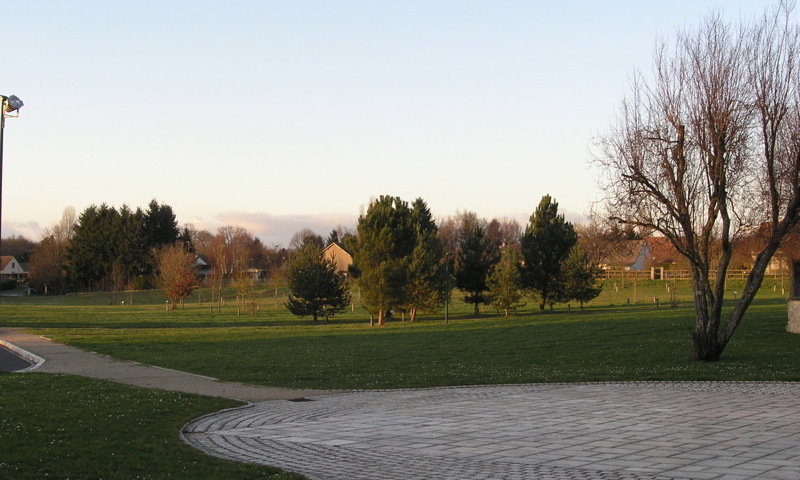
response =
{"points": [[337, 244], [662, 250], [14, 268]]}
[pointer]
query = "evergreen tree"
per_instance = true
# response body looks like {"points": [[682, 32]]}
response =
{"points": [[110, 247], [546, 243], [159, 226], [316, 288], [131, 256], [90, 251], [580, 277], [505, 282], [426, 285], [386, 239], [476, 260]]}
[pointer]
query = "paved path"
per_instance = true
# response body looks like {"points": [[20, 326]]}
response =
{"points": [[637, 431], [564, 431], [60, 358]]}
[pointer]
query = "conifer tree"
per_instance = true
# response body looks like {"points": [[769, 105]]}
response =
{"points": [[385, 243], [546, 243], [425, 288], [316, 288], [475, 262], [505, 282], [580, 277]]}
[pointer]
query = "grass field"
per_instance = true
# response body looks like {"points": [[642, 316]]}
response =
{"points": [[622, 335]]}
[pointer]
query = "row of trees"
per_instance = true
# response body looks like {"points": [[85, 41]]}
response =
{"points": [[402, 263], [103, 248], [546, 260], [108, 248]]}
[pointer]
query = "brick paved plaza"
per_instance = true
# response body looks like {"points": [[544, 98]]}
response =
{"points": [[562, 431]]}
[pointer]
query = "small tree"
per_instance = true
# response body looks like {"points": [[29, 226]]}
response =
{"points": [[176, 275], [426, 285], [316, 288], [580, 277], [505, 282], [476, 259]]}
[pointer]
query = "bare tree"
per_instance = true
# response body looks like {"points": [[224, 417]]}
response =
{"points": [[602, 238], [46, 271], [176, 275], [709, 149], [304, 236]]}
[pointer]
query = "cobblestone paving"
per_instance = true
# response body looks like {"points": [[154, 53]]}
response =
{"points": [[637, 431]]}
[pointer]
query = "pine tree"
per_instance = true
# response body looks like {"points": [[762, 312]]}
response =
{"points": [[476, 259], [580, 277], [381, 254], [546, 243], [505, 282], [425, 288], [316, 288], [159, 226]]}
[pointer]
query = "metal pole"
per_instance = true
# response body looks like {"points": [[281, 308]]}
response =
{"points": [[447, 288], [2, 128]]}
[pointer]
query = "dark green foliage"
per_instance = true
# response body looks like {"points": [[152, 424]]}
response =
{"points": [[386, 239], [109, 247], [505, 282], [546, 243], [92, 250], [580, 277], [476, 259], [316, 287], [159, 226], [427, 280]]}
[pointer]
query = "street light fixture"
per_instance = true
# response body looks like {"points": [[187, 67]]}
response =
{"points": [[11, 104]]}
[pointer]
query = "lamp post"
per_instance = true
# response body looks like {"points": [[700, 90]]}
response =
{"points": [[11, 104], [447, 288]]}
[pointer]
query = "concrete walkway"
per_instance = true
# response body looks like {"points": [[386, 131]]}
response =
{"points": [[651, 430], [565, 431], [60, 358]]}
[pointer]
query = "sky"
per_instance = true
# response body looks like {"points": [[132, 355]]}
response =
{"points": [[283, 115]]}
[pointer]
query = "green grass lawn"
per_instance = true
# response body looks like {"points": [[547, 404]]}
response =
{"points": [[622, 335], [62, 426]]}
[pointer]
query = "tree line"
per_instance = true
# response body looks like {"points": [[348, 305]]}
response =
{"points": [[403, 263], [110, 249]]}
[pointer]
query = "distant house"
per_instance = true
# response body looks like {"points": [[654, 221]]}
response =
{"points": [[11, 269], [336, 253], [631, 255], [202, 267]]}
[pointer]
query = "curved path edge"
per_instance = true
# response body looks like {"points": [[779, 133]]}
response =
{"points": [[54, 357], [609, 431]]}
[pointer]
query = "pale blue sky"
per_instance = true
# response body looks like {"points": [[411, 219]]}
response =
{"points": [[277, 116]]}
